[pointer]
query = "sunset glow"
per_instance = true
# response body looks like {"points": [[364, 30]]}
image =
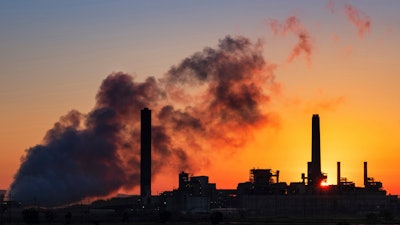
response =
{"points": [[232, 86]]}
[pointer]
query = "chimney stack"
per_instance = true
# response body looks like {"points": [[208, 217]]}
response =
{"points": [[145, 155], [338, 173], [315, 174], [365, 174], [277, 176]]}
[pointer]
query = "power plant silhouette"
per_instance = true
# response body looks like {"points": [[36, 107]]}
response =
{"points": [[264, 193]]}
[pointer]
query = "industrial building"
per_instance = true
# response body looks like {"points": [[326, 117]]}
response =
{"points": [[265, 194], [194, 194]]}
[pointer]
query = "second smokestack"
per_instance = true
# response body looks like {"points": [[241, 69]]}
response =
{"points": [[315, 173], [145, 154]]}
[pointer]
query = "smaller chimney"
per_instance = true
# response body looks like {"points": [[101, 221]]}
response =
{"points": [[303, 177], [338, 174], [365, 174], [277, 176]]}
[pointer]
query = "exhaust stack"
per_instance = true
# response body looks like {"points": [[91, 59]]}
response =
{"points": [[338, 174], [365, 174], [315, 176], [145, 154]]}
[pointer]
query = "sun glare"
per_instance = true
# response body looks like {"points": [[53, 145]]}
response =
{"points": [[324, 184]]}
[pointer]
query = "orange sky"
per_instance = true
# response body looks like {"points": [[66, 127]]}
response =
{"points": [[54, 59]]}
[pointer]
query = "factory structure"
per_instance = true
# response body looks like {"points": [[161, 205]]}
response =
{"points": [[264, 193]]}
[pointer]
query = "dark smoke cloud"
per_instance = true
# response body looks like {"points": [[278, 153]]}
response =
{"points": [[97, 154]]}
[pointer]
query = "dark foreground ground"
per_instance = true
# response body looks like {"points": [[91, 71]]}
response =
{"points": [[77, 216], [208, 220]]}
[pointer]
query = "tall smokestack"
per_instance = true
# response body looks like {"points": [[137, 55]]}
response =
{"points": [[316, 175], [145, 154], [365, 174]]}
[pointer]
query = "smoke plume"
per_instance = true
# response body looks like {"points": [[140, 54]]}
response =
{"points": [[359, 19], [207, 104], [293, 25]]}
